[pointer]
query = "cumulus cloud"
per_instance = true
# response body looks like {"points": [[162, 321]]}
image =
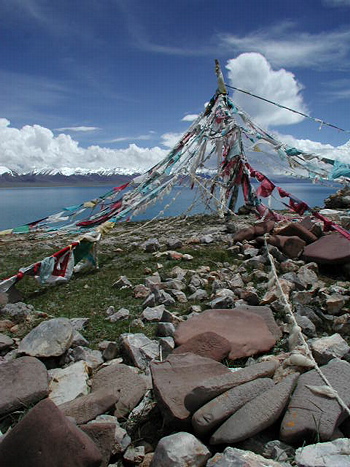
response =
{"points": [[36, 147], [252, 72]]}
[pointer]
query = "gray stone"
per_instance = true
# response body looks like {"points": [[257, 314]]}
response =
{"points": [[50, 339], [334, 304], [176, 377], [257, 414], [45, 437], [251, 330], [199, 294], [219, 409], [173, 243], [122, 283], [278, 451], [307, 326], [327, 348], [139, 349], [153, 314], [312, 414], [332, 454], [125, 383], [167, 345], [151, 245], [233, 457], [134, 454], [213, 386], [5, 342], [23, 381], [110, 351], [17, 312], [179, 296], [165, 298], [179, 450], [79, 340], [86, 408], [79, 323], [93, 358], [121, 314], [68, 383], [166, 329]]}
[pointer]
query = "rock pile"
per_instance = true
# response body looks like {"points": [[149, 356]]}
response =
{"points": [[237, 380]]}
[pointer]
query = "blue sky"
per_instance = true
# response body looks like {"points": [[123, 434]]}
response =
{"points": [[106, 83]]}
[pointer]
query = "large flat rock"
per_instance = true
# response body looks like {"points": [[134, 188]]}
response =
{"points": [[176, 377], [330, 249], [257, 414], [249, 329], [219, 409], [23, 382], [45, 437], [124, 383], [209, 344], [312, 414]]}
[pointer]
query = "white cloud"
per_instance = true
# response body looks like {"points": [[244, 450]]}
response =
{"points": [[146, 137], [36, 147], [283, 45], [336, 3], [189, 118], [252, 72], [340, 153], [78, 128], [169, 140]]}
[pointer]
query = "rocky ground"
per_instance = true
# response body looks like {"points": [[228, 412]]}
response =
{"points": [[241, 360]]}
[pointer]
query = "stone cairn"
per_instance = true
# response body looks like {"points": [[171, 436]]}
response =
{"points": [[257, 375]]}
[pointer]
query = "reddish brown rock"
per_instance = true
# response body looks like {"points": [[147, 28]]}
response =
{"points": [[257, 415], [290, 246], [311, 414], [330, 249], [176, 377], [298, 230], [253, 231], [45, 437], [86, 408], [23, 381], [208, 344], [102, 434], [124, 383], [219, 409], [214, 386], [250, 330]]}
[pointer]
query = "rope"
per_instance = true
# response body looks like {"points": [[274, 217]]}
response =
{"points": [[317, 120], [296, 327]]}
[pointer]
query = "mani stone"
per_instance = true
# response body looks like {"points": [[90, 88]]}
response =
{"points": [[209, 344], [330, 249], [45, 437], [139, 349], [123, 382], [257, 414], [179, 450], [86, 408], [311, 413], [220, 408], [68, 383], [23, 381], [50, 339], [249, 329], [214, 386], [176, 377]]}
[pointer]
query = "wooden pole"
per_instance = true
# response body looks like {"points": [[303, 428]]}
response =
{"points": [[221, 82]]}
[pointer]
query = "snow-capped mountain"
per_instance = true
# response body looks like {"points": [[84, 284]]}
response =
{"points": [[64, 176]]}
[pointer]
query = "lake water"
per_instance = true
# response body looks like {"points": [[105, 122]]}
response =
{"points": [[19, 206]]}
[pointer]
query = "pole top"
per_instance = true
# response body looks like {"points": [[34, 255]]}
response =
{"points": [[221, 82]]}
